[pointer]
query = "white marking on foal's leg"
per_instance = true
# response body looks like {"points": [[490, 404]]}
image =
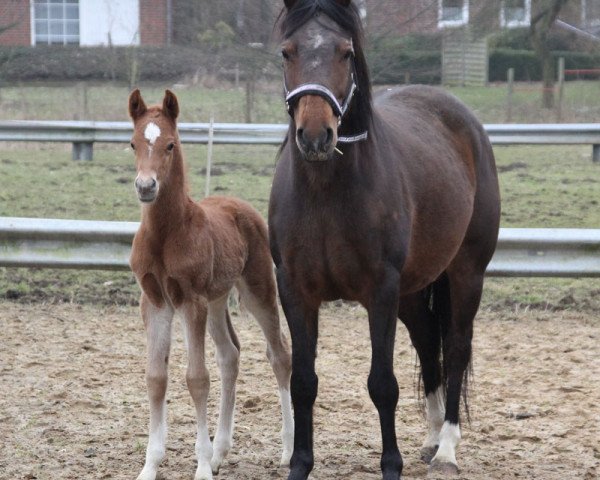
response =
{"points": [[158, 332], [287, 430], [228, 357], [198, 381], [449, 439], [434, 404], [152, 132]]}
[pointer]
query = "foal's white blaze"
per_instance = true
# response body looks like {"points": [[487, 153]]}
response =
{"points": [[434, 404], [152, 132], [449, 439]]}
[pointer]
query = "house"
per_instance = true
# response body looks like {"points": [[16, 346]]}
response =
{"points": [[85, 22]]}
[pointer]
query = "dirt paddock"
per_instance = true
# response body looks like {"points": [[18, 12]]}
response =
{"points": [[73, 402]]}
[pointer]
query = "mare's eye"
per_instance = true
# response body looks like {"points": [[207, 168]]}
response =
{"points": [[170, 146], [348, 55], [132, 146]]}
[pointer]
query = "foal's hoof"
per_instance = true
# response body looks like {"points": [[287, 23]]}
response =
{"points": [[427, 454], [442, 469]]}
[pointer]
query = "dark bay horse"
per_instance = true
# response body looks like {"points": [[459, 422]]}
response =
{"points": [[187, 256], [392, 202]]}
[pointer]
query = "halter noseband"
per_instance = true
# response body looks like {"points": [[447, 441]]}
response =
{"points": [[322, 91]]}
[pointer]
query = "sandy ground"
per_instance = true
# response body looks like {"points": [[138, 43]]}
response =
{"points": [[73, 402]]}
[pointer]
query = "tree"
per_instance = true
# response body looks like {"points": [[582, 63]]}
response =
{"points": [[541, 23]]}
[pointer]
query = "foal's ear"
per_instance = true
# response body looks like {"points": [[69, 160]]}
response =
{"points": [[289, 3], [170, 105], [343, 3], [137, 107]]}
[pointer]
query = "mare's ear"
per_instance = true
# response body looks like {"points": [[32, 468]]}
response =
{"points": [[137, 107], [289, 3], [170, 105], [343, 3]]}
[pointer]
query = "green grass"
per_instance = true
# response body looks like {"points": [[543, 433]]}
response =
{"points": [[551, 186]]}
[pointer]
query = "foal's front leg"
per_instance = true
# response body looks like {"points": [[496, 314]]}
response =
{"points": [[383, 387], [198, 381], [157, 321]]}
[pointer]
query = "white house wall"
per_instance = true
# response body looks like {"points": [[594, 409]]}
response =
{"points": [[99, 19]]}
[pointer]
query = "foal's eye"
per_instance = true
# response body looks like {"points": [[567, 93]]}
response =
{"points": [[348, 55], [132, 146], [285, 55], [170, 146]]}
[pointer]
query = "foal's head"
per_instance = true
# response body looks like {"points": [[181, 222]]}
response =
{"points": [[323, 62], [154, 141]]}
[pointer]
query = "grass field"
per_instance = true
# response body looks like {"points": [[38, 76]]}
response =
{"points": [[541, 187]]}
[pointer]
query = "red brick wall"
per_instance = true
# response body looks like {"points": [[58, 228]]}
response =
{"points": [[15, 11], [153, 22]]}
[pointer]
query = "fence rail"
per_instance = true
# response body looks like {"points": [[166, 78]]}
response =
{"points": [[83, 134], [84, 244]]}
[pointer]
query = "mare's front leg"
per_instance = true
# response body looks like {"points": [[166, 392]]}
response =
{"points": [[194, 315], [383, 387], [157, 321], [302, 318]]}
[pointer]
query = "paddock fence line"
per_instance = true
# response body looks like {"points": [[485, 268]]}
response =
{"points": [[106, 245], [83, 134]]}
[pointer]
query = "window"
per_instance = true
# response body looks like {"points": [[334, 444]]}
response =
{"points": [[453, 13], [55, 22], [515, 13], [590, 13]]}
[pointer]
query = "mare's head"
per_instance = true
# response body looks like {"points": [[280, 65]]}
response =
{"points": [[154, 140], [323, 63]]}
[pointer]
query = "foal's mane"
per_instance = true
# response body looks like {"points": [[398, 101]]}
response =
{"points": [[348, 19]]}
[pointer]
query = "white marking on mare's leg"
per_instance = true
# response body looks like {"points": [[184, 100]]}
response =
{"points": [[152, 132], [434, 404], [449, 439]]}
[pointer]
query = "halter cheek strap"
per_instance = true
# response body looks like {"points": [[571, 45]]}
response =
{"points": [[322, 91]]}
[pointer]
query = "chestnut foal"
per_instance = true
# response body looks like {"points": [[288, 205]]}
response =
{"points": [[187, 257]]}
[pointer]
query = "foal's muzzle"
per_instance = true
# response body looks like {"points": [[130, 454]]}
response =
{"points": [[147, 189]]}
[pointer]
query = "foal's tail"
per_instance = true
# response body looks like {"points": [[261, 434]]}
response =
{"points": [[438, 301]]}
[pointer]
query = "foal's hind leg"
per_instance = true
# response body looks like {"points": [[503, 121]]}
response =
{"points": [[259, 299], [465, 294], [158, 332], [424, 330], [228, 356]]}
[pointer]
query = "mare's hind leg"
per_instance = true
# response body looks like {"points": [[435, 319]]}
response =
{"points": [[424, 330], [194, 315], [158, 332], [228, 356], [465, 285], [259, 298]]}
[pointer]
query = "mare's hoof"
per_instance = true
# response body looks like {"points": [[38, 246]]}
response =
{"points": [[442, 469], [427, 454]]}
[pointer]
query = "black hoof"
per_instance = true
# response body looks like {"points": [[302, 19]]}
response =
{"points": [[391, 475], [427, 454], [442, 469]]}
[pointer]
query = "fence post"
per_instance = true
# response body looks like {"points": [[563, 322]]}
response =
{"points": [[596, 153], [510, 77], [209, 155], [561, 87], [83, 151]]}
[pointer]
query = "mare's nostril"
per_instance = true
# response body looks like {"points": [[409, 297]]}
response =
{"points": [[329, 138]]}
